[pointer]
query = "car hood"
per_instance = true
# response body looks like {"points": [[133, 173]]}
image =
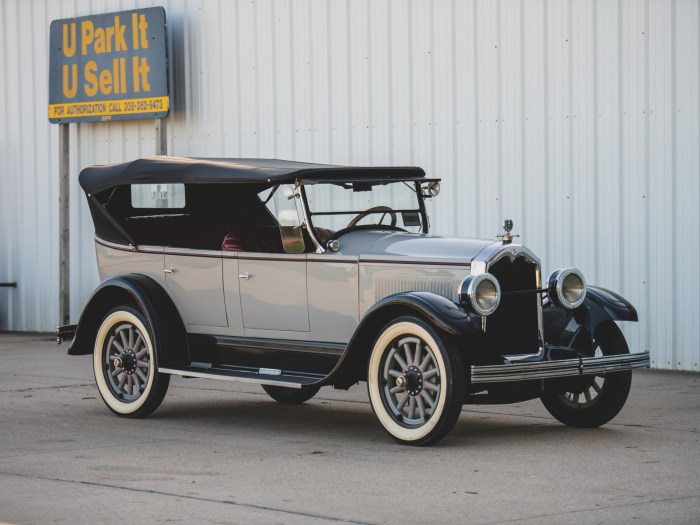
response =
{"points": [[376, 246]]}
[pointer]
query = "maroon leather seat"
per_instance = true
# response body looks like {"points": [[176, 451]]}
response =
{"points": [[263, 240]]}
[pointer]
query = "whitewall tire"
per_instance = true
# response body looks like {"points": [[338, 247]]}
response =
{"points": [[126, 365], [416, 381]]}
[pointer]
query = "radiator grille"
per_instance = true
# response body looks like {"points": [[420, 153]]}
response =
{"points": [[514, 327]]}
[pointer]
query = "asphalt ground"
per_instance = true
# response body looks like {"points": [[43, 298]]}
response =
{"points": [[219, 452]]}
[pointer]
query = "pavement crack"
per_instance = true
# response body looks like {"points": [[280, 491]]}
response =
{"points": [[589, 509], [190, 497], [56, 387], [554, 421], [35, 453]]}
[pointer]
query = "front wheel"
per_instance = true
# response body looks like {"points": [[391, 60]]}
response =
{"points": [[416, 381], [126, 365], [591, 401]]}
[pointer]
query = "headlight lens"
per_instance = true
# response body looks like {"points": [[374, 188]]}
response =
{"points": [[567, 288], [481, 292]]}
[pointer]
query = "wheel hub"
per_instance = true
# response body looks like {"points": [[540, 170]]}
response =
{"points": [[411, 381], [127, 361]]}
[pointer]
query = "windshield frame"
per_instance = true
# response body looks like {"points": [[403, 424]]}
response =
{"points": [[308, 214]]}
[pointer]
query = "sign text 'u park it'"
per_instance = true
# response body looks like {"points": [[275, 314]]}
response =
{"points": [[109, 67]]}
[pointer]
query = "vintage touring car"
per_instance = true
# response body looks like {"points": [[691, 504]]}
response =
{"points": [[297, 276]]}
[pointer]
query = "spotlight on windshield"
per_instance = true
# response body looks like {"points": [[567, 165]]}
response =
{"points": [[432, 189]]}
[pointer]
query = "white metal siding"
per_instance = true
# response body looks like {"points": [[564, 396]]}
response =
{"points": [[578, 119]]}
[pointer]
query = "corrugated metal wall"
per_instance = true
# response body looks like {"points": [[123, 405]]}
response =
{"points": [[578, 119]]}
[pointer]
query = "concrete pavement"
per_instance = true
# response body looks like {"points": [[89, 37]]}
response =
{"points": [[218, 452]]}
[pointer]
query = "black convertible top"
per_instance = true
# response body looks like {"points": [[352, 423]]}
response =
{"points": [[163, 170]]}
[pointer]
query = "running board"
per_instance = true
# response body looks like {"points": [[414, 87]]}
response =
{"points": [[262, 376], [561, 368]]}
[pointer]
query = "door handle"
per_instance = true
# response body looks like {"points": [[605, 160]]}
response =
{"points": [[169, 270], [245, 276]]}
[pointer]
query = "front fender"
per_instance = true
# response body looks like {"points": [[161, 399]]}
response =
{"points": [[439, 311], [162, 318], [613, 305], [600, 306]]}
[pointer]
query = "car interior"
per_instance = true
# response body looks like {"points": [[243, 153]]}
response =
{"points": [[228, 217]]}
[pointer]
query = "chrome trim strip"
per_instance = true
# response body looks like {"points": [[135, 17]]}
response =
{"points": [[114, 245], [224, 377], [192, 252], [613, 363], [140, 248], [553, 369], [414, 262], [496, 251], [251, 256], [329, 257]]}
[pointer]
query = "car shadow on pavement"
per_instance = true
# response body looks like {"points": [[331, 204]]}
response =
{"points": [[323, 419], [319, 418]]}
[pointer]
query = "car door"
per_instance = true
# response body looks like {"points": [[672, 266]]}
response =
{"points": [[194, 279], [273, 285], [273, 292]]}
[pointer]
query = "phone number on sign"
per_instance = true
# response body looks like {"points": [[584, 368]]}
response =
{"points": [[144, 105]]}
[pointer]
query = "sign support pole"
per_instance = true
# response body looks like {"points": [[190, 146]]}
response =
{"points": [[161, 136], [64, 222]]}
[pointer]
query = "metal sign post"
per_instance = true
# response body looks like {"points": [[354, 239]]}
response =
{"points": [[64, 222], [161, 136]]}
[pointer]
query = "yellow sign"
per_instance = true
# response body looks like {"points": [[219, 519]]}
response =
{"points": [[110, 66]]}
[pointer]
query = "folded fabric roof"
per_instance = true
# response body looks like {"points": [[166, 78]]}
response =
{"points": [[164, 170]]}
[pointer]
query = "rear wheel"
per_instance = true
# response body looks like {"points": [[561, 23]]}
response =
{"points": [[592, 400], [416, 382], [126, 365], [291, 396]]}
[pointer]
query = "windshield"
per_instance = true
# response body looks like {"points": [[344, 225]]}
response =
{"points": [[335, 206]]}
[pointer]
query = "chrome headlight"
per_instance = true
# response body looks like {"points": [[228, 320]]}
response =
{"points": [[567, 288], [480, 292]]}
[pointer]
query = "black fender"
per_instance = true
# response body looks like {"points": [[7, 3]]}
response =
{"points": [[440, 312], [608, 303], [600, 306], [162, 317]]}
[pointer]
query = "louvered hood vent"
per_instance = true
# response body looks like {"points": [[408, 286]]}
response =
{"points": [[445, 286]]}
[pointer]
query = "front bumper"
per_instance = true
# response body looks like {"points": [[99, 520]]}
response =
{"points": [[526, 371], [65, 333]]}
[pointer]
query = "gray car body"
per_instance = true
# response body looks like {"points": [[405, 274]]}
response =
{"points": [[309, 297]]}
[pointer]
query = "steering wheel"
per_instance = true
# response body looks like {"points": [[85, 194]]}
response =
{"points": [[362, 215]]}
